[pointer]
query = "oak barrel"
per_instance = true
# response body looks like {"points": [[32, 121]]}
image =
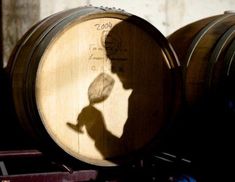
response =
{"points": [[96, 85], [205, 49]]}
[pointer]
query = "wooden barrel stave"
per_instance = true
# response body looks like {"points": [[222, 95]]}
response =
{"points": [[209, 90], [32, 84], [30, 41], [218, 60], [198, 61], [183, 37]]}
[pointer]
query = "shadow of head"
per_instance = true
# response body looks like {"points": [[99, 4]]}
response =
{"points": [[118, 51], [134, 54]]}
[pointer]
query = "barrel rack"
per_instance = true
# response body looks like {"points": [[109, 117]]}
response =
{"points": [[32, 165], [63, 173]]}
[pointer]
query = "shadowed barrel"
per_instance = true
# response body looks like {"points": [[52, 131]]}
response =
{"points": [[95, 85], [205, 51]]}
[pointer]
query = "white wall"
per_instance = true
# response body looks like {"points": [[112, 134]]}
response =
{"points": [[165, 15]]}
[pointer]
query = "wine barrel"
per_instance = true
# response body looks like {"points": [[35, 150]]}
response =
{"points": [[95, 85], [206, 53], [204, 50], [8, 121]]}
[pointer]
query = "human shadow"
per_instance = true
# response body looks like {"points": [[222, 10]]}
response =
{"points": [[136, 57], [93, 119], [137, 60]]}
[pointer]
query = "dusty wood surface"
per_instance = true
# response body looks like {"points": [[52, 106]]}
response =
{"points": [[124, 116], [105, 76]]}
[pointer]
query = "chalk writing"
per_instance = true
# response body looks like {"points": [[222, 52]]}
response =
{"points": [[96, 52], [103, 26]]}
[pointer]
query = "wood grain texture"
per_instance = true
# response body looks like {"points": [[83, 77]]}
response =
{"points": [[202, 53], [72, 71], [183, 37], [97, 84]]}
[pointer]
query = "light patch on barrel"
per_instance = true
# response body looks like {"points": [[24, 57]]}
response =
{"points": [[63, 78], [70, 64]]}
